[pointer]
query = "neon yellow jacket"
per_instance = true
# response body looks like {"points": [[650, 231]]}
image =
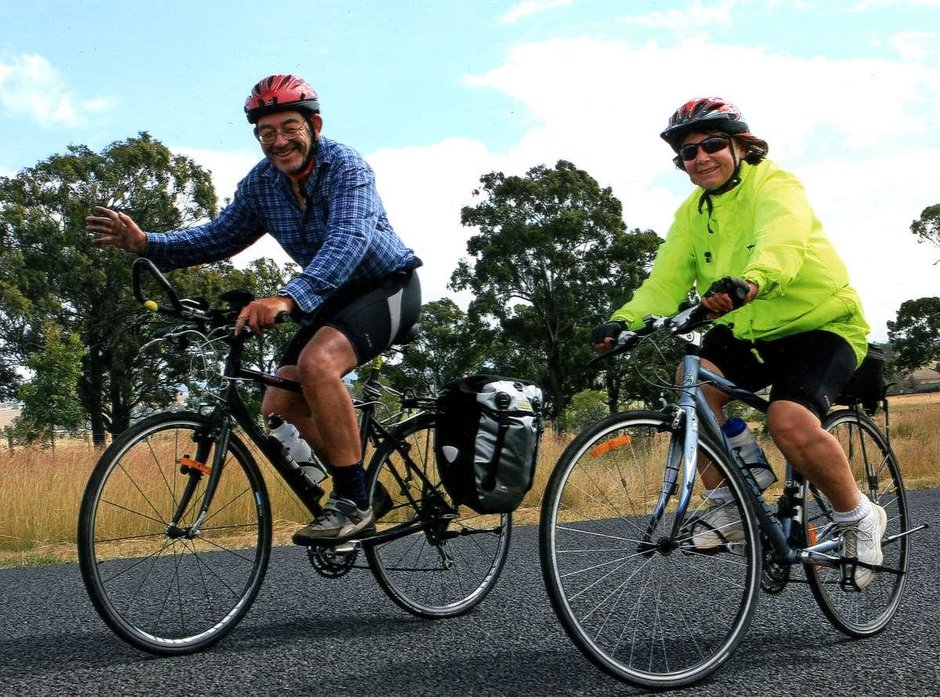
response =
{"points": [[765, 231]]}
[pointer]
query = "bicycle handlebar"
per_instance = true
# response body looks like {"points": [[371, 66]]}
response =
{"points": [[140, 265], [189, 309], [686, 320]]}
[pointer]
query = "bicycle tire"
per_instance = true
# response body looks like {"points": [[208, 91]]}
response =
{"points": [[159, 590], [647, 607], [448, 567], [865, 613]]}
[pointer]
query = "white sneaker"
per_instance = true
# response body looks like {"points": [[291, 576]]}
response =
{"points": [[861, 541], [718, 525]]}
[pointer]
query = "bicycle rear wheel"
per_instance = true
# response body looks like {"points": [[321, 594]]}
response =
{"points": [[649, 603], [454, 556], [166, 588], [876, 470]]}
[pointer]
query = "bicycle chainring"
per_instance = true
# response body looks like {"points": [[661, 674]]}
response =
{"points": [[774, 573], [330, 563]]}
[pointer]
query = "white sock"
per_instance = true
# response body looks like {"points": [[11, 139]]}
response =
{"points": [[856, 514]]}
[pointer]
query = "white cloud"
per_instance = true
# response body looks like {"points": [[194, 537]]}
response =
{"points": [[424, 189], [867, 206], [31, 86], [692, 18], [530, 7], [857, 132], [227, 168], [860, 134], [919, 46]]}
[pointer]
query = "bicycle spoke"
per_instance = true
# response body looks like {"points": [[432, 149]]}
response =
{"points": [[168, 590], [875, 468], [642, 602], [448, 565]]}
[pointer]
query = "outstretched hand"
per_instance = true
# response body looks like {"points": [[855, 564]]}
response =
{"points": [[116, 229]]}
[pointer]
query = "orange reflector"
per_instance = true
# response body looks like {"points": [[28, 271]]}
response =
{"points": [[811, 535], [186, 462], [609, 445]]}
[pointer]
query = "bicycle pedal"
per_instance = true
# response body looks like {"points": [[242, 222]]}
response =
{"points": [[346, 547]]}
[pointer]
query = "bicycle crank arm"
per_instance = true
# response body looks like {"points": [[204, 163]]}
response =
{"points": [[374, 538], [817, 559]]}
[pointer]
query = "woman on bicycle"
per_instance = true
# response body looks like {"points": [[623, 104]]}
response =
{"points": [[794, 323]]}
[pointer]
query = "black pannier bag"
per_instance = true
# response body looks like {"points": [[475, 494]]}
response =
{"points": [[867, 385], [486, 440]]}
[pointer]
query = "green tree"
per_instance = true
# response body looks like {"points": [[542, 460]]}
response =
{"points": [[49, 273], [551, 258], [585, 408], [49, 397], [915, 333], [927, 227], [447, 346], [185, 363]]}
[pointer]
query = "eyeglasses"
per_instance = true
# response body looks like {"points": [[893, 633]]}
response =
{"points": [[269, 135], [709, 145]]}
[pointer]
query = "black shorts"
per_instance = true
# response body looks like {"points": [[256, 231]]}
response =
{"points": [[811, 368], [373, 316]]}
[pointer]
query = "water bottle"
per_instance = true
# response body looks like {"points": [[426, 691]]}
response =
{"points": [[748, 451], [297, 449]]}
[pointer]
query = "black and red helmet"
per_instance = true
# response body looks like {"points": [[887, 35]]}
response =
{"points": [[280, 93], [705, 113]]}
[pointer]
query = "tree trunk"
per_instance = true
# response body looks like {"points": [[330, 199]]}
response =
{"points": [[90, 388], [120, 409]]}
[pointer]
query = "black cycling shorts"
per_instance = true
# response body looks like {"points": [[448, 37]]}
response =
{"points": [[811, 368], [373, 316]]}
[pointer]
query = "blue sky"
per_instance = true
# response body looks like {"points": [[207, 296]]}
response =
{"points": [[434, 94]]}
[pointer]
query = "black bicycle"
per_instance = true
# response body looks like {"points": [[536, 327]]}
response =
{"points": [[175, 527], [659, 596]]}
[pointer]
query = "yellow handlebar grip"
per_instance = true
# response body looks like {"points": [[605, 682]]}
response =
{"points": [[151, 305]]}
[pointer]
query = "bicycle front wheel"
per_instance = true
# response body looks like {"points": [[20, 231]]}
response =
{"points": [[158, 580], [652, 601], [453, 556], [875, 468]]}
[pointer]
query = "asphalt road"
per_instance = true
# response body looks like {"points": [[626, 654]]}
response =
{"points": [[310, 635]]}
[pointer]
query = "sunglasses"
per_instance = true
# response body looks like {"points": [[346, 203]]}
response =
{"points": [[709, 145]]}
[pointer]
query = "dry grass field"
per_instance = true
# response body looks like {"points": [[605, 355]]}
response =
{"points": [[41, 490]]}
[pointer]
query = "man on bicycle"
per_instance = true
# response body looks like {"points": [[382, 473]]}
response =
{"points": [[356, 294], [785, 313]]}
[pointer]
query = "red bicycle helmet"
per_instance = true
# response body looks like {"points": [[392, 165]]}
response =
{"points": [[280, 93], [703, 113]]}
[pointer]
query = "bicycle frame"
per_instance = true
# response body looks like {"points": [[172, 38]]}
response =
{"points": [[230, 408], [691, 407]]}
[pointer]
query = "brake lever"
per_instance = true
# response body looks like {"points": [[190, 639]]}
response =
{"points": [[625, 341]]}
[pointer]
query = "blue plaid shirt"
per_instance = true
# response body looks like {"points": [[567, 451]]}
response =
{"points": [[344, 235]]}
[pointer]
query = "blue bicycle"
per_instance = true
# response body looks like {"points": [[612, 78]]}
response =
{"points": [[650, 592]]}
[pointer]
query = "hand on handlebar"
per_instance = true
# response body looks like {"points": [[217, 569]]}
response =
{"points": [[728, 294], [264, 313], [604, 337]]}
